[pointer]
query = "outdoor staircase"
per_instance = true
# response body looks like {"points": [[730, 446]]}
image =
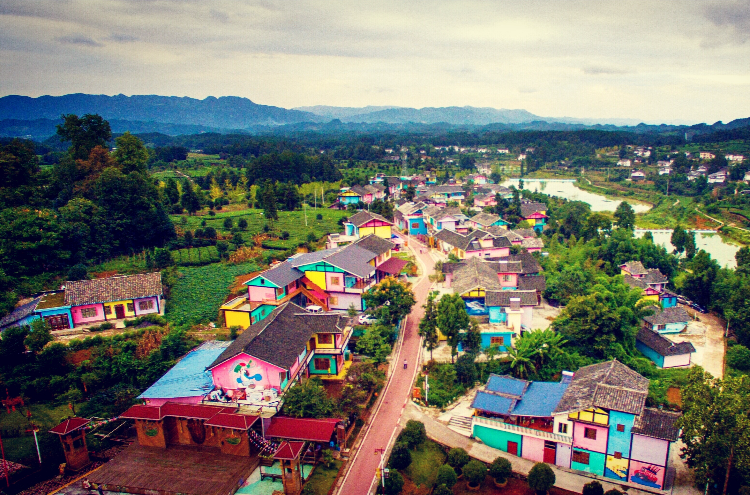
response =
{"points": [[460, 424]]}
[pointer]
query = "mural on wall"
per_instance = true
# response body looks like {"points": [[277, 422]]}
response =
{"points": [[476, 307], [648, 475], [616, 468], [246, 374]]}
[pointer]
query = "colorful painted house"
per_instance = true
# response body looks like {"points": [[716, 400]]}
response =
{"points": [[598, 424], [266, 358], [477, 243], [536, 214], [411, 215], [649, 293], [512, 308], [54, 311], [484, 220], [448, 193], [485, 200], [22, 315], [471, 279], [667, 299], [364, 223], [662, 351], [670, 320], [440, 218], [349, 196]]}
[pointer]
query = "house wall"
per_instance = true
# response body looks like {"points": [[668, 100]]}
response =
{"points": [[596, 445], [417, 226], [498, 439], [649, 450], [261, 312], [646, 474], [497, 314], [44, 313], [330, 278], [562, 419], [654, 356], [150, 433], [236, 318], [113, 315], [156, 305], [527, 316], [596, 462], [340, 300], [675, 361], [674, 327], [78, 319], [318, 278], [490, 252], [332, 365], [261, 293], [176, 431], [243, 370], [562, 455], [223, 434], [617, 469], [512, 278], [533, 448], [668, 302], [619, 441]]}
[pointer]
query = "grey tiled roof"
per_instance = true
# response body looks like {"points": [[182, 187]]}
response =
{"points": [[280, 337], [529, 264], [669, 315], [532, 243], [118, 288], [446, 189], [375, 244], [635, 282], [609, 385], [525, 233], [654, 276], [634, 268], [282, 274], [19, 313], [657, 424], [502, 297], [440, 212], [314, 257], [506, 266], [528, 209], [663, 345], [354, 260], [485, 219], [475, 273], [533, 282], [362, 217]]}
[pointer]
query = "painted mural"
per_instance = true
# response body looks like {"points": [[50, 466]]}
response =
{"points": [[616, 468], [476, 307], [247, 373], [646, 474]]}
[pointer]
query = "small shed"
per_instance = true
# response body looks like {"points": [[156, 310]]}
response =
{"points": [[73, 437]]}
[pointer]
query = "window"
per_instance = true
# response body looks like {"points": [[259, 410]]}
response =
{"points": [[107, 310], [91, 312], [262, 282], [333, 300], [661, 327], [131, 307], [335, 280], [506, 278], [279, 291], [325, 338], [415, 225], [580, 457], [252, 320], [589, 433], [618, 455], [562, 428], [322, 364], [620, 427], [497, 340], [282, 377], [78, 443], [145, 305]]}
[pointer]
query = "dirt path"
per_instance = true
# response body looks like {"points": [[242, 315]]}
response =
{"points": [[707, 336]]}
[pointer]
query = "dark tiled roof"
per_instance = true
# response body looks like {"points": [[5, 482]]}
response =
{"points": [[635, 282], [485, 219], [533, 282], [19, 313], [475, 273], [634, 268], [362, 217], [446, 189], [354, 260], [525, 233], [657, 424], [375, 244], [501, 241], [532, 243], [440, 212], [314, 257], [663, 345], [358, 189], [528, 209], [279, 338], [502, 297], [654, 276], [453, 238], [669, 315], [282, 274], [506, 266], [112, 289], [609, 385]]}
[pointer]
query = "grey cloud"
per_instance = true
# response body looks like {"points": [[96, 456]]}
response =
{"points": [[122, 38], [734, 15], [79, 40], [597, 70], [218, 15]]}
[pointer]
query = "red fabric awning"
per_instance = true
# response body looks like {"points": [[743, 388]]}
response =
{"points": [[69, 425], [393, 266]]}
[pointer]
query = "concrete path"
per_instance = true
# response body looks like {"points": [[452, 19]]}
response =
{"points": [[384, 423]]}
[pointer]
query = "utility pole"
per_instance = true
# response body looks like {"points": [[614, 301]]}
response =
{"points": [[381, 470]]}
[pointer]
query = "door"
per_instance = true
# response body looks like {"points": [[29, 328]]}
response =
{"points": [[549, 452], [119, 311], [58, 322], [513, 448], [312, 343]]}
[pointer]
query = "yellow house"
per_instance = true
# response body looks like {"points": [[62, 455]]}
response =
{"points": [[365, 223]]}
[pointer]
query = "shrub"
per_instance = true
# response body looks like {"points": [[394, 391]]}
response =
{"points": [[103, 326], [446, 475], [318, 217], [475, 472], [394, 483], [234, 331], [413, 434], [458, 457], [442, 490], [242, 224], [400, 456], [618, 492], [541, 478], [500, 469], [155, 319], [311, 237], [228, 224], [284, 235], [738, 357], [77, 272], [593, 488], [212, 213]]}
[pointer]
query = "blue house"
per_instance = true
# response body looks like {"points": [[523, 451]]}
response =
{"points": [[53, 309], [410, 215], [669, 320], [667, 299], [502, 305]]}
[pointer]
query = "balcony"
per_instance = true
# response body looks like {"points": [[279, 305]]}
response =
{"points": [[359, 286], [520, 430]]}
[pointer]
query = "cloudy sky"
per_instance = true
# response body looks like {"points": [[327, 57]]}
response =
{"points": [[657, 61]]}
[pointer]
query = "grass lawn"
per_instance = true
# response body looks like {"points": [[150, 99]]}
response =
{"points": [[289, 221], [425, 462], [199, 291], [323, 477], [124, 265]]}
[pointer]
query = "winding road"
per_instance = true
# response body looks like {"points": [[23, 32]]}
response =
{"points": [[382, 427]]}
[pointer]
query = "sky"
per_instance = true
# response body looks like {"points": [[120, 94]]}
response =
{"points": [[673, 61]]}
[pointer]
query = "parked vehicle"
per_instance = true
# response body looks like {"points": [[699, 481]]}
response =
{"points": [[365, 319]]}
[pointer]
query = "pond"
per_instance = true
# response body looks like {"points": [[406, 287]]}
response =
{"points": [[708, 240], [567, 188]]}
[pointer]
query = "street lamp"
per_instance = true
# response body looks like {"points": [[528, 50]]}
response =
{"points": [[380, 466]]}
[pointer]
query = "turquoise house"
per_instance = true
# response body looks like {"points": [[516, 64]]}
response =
{"points": [[667, 299], [662, 351], [669, 320]]}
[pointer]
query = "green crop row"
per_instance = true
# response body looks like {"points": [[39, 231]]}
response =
{"points": [[195, 256]]}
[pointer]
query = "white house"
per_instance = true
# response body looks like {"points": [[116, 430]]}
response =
{"points": [[718, 177], [638, 175], [705, 155], [624, 163], [735, 158], [522, 156]]}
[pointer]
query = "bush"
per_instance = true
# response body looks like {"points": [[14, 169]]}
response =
{"points": [[738, 357], [394, 483], [618, 492], [458, 458], [475, 472], [212, 213], [400, 456], [318, 217], [234, 331], [541, 478], [103, 326], [593, 488], [77, 272], [242, 224], [284, 235], [413, 434], [442, 490], [500, 469], [446, 475], [155, 319], [466, 370], [228, 224]]}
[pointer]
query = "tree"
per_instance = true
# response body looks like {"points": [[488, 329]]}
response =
{"points": [[242, 224], [678, 239], [466, 370], [374, 344], [268, 201], [413, 435], [390, 300], [77, 272], [690, 246], [163, 258], [228, 224], [520, 362], [131, 154], [501, 469], [39, 336], [189, 200], [700, 278], [409, 193], [738, 357], [593, 488], [400, 456], [742, 256], [475, 472], [472, 340], [394, 483], [85, 133], [352, 399], [12, 347], [446, 475], [541, 478], [428, 324], [308, 399], [452, 320], [625, 216], [715, 426], [458, 458], [442, 490]]}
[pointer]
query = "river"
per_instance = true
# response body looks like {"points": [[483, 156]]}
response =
{"points": [[708, 240]]}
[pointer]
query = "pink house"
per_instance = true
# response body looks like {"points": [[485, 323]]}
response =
{"points": [[484, 201], [590, 437], [87, 313]]}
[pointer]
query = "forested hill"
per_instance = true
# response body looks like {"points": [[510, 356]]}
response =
{"points": [[226, 112]]}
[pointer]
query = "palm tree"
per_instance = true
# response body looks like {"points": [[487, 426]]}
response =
{"points": [[520, 362]]}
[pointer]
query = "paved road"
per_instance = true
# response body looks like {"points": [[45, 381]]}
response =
{"points": [[360, 477]]}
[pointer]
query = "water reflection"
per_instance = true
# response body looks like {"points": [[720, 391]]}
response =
{"points": [[706, 240], [567, 189]]}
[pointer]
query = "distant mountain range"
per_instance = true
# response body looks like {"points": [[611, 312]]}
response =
{"points": [[36, 118]]}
